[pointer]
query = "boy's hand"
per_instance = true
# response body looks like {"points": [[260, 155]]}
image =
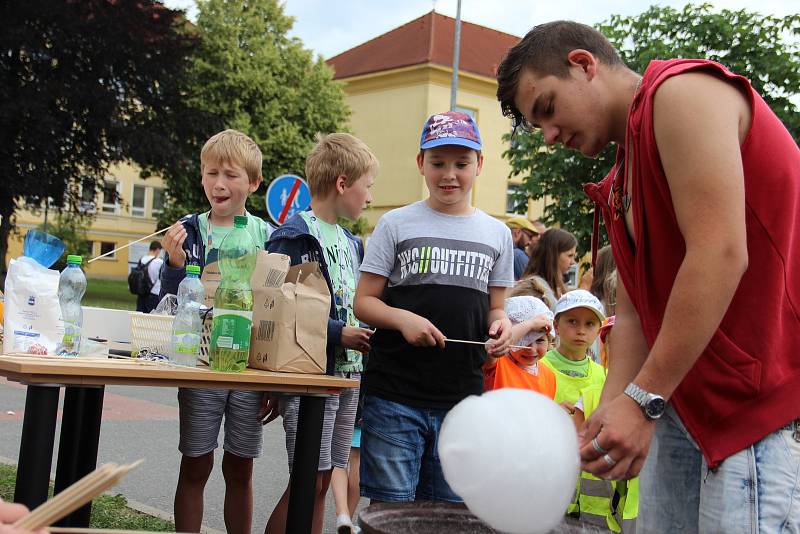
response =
{"points": [[500, 332], [356, 338], [173, 245], [270, 409], [420, 332]]}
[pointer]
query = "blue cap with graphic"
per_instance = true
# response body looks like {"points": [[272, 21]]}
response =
{"points": [[450, 128]]}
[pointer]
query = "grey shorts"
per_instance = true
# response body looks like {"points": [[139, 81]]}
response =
{"points": [[337, 426], [201, 412]]}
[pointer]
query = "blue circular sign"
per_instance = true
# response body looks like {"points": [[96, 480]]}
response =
{"points": [[286, 195]]}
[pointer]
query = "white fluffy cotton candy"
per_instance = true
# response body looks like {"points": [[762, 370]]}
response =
{"points": [[512, 455]]}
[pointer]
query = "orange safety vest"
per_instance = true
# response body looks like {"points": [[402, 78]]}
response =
{"points": [[508, 374]]}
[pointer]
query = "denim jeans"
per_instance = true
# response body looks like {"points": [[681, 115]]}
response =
{"points": [[755, 490], [399, 453]]}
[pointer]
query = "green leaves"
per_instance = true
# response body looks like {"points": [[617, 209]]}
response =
{"points": [[253, 77], [765, 49]]}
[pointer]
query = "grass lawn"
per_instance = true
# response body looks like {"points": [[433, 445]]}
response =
{"points": [[112, 294], [108, 511]]}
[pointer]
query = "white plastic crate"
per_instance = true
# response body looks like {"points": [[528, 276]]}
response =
{"points": [[151, 331]]}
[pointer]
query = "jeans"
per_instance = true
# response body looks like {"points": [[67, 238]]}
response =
{"points": [[755, 490], [399, 453]]}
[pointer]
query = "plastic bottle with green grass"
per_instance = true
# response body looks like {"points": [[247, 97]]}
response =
{"points": [[187, 327], [71, 287], [233, 301]]}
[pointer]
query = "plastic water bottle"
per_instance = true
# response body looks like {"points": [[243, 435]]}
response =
{"points": [[71, 287], [233, 301], [187, 327]]}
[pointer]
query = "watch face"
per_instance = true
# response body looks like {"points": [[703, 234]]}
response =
{"points": [[655, 408]]}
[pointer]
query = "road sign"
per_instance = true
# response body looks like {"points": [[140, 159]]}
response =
{"points": [[287, 195]]}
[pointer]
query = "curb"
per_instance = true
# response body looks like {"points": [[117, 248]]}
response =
{"points": [[136, 505]]}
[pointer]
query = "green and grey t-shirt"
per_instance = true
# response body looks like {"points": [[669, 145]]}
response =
{"points": [[338, 254], [440, 267]]}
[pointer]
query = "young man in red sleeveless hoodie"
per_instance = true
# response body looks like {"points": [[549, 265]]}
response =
{"points": [[702, 210]]}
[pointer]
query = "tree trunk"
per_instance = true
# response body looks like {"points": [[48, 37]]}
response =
{"points": [[7, 207]]}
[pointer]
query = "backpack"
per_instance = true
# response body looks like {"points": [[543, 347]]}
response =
{"points": [[139, 280]]}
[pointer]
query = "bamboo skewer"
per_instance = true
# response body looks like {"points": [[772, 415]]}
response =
{"points": [[482, 343], [75, 496], [131, 243]]}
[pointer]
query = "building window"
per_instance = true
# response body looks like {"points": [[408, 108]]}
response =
{"points": [[158, 200], [88, 194], [514, 203], [110, 197], [469, 111], [107, 246], [137, 200]]}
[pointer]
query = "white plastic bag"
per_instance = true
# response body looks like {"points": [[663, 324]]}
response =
{"points": [[32, 312]]}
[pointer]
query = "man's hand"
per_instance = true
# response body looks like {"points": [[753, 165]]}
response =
{"points": [[173, 245], [10, 513], [270, 408], [356, 338], [623, 433], [420, 332], [586, 279], [500, 334]]}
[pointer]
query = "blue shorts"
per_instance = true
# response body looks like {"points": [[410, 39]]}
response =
{"points": [[399, 453]]}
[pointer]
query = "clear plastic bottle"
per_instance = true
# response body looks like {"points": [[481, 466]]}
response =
{"points": [[187, 327], [71, 287], [233, 301]]}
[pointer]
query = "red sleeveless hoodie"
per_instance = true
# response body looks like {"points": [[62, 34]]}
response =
{"points": [[746, 383]]}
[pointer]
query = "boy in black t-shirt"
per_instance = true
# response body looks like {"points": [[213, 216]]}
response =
{"points": [[433, 270]]}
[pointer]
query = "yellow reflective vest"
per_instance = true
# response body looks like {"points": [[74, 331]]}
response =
{"points": [[616, 502]]}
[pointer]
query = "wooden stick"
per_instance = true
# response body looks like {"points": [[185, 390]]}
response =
{"points": [[75, 496], [68, 530], [483, 343], [131, 243]]}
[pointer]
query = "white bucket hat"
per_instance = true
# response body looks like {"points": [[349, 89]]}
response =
{"points": [[521, 309]]}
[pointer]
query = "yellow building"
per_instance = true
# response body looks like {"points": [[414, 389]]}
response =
{"points": [[395, 81], [125, 210]]}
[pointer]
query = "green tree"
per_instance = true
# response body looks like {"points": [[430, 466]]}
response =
{"points": [[257, 79], [84, 85], [765, 49]]}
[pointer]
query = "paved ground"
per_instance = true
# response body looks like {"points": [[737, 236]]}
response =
{"points": [[143, 423]]}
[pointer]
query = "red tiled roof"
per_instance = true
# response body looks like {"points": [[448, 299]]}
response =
{"points": [[423, 40]]}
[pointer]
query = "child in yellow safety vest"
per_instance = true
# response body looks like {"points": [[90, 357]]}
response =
{"points": [[617, 500], [578, 316]]}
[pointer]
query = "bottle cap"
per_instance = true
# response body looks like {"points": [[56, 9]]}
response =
{"points": [[193, 269], [240, 221], [75, 260]]}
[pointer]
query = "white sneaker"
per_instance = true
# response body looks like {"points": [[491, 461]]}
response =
{"points": [[344, 525]]}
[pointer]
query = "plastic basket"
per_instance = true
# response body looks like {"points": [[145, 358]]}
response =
{"points": [[151, 331]]}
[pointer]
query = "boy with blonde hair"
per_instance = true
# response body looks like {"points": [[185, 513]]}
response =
{"points": [[230, 163], [340, 170]]}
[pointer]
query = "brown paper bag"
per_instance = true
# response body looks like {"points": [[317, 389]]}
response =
{"points": [[290, 322], [270, 271]]}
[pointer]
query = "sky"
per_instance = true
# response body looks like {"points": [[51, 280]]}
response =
{"points": [[329, 27]]}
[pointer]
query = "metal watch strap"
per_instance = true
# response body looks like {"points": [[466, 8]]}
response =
{"points": [[637, 394]]}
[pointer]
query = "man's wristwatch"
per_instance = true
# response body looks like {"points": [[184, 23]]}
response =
{"points": [[651, 404]]}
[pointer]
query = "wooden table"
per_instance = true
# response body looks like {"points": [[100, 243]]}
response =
{"points": [[83, 405]]}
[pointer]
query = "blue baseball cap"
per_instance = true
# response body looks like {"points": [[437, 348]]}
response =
{"points": [[450, 128]]}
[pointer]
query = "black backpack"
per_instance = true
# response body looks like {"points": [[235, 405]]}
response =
{"points": [[139, 280]]}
